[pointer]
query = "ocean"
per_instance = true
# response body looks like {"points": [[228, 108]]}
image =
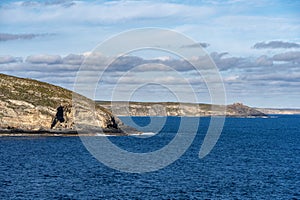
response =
{"points": [[254, 158]]}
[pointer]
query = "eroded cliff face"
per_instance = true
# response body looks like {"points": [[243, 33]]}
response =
{"points": [[27, 104]]}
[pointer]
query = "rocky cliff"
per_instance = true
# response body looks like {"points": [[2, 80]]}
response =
{"points": [[29, 105], [239, 109], [178, 109]]}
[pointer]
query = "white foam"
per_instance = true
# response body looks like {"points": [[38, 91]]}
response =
{"points": [[104, 135], [148, 133], [144, 135]]}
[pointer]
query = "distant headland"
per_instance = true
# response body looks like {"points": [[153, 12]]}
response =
{"points": [[179, 109]]}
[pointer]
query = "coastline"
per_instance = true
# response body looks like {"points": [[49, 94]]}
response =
{"points": [[58, 133], [123, 130], [92, 132]]}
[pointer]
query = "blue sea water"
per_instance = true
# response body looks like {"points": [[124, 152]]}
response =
{"points": [[254, 158]]}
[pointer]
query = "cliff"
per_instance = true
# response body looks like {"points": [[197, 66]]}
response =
{"points": [[31, 106], [279, 111], [178, 109]]}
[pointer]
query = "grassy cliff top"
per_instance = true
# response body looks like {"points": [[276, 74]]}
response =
{"points": [[31, 91], [36, 92]]}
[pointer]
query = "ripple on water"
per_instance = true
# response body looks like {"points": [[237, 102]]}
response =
{"points": [[254, 158]]}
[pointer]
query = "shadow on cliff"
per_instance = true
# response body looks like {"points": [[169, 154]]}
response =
{"points": [[59, 117]]}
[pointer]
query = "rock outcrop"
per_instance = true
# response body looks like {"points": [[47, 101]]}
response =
{"points": [[30, 105], [239, 109]]}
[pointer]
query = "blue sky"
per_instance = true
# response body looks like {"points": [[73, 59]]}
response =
{"points": [[255, 44]]}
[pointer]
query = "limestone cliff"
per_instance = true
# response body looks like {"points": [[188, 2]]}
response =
{"points": [[178, 109], [30, 105]]}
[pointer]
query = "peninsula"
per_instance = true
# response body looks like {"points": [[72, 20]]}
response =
{"points": [[32, 107]]}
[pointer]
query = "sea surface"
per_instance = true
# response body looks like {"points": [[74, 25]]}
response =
{"points": [[254, 158]]}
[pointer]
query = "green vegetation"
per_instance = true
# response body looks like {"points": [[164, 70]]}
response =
{"points": [[32, 91]]}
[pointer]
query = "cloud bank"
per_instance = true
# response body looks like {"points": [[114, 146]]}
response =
{"points": [[253, 43], [265, 75], [9, 36], [9, 59], [276, 45]]}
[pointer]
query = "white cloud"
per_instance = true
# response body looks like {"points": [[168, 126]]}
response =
{"points": [[73, 59], [276, 45], [288, 56], [9, 59], [7, 36], [46, 59], [264, 61], [104, 13]]}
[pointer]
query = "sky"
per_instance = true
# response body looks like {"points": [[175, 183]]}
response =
{"points": [[255, 45]]}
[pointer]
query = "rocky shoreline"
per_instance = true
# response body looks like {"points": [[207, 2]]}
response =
{"points": [[21, 132], [123, 130]]}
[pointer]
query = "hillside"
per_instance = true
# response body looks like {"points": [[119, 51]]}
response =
{"points": [[29, 105], [178, 109]]}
